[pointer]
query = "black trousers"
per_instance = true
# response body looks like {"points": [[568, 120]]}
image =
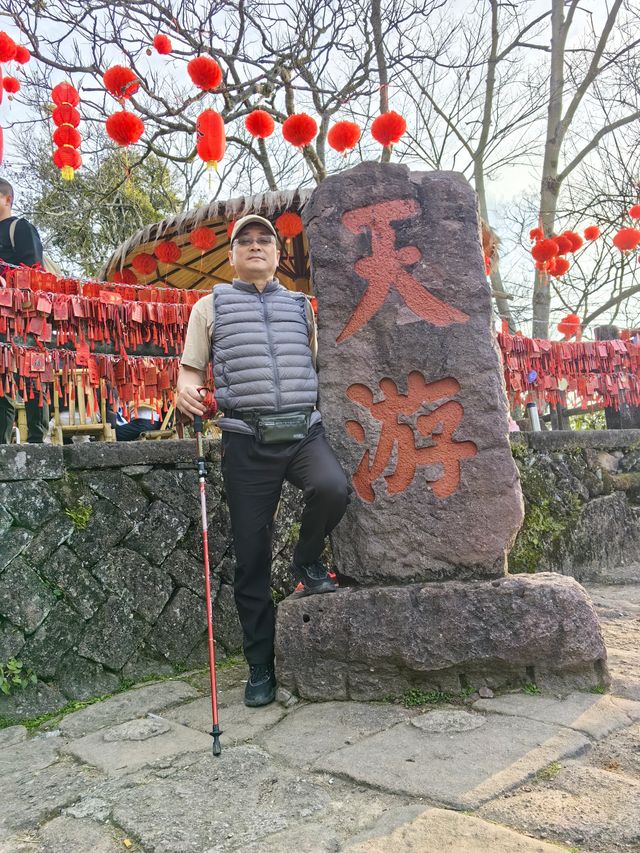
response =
{"points": [[37, 419], [136, 426], [253, 476]]}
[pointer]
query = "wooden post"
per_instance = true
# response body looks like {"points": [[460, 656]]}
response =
{"points": [[558, 417]]}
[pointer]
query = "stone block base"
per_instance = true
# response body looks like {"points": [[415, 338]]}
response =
{"points": [[374, 642]]}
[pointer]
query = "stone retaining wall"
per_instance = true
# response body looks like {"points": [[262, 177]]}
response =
{"points": [[101, 553], [582, 504], [101, 566]]}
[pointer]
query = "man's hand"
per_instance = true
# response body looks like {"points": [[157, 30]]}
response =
{"points": [[191, 394], [190, 400]]}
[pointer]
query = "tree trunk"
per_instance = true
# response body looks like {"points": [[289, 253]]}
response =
{"points": [[550, 187], [496, 279], [376, 26], [479, 155]]}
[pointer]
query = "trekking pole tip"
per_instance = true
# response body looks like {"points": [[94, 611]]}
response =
{"points": [[215, 734]]}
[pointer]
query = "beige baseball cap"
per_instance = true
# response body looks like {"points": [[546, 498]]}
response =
{"points": [[252, 219]]}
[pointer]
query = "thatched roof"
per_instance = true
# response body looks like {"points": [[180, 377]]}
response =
{"points": [[197, 270]]}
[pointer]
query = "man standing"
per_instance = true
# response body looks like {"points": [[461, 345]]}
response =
{"points": [[261, 339], [20, 245]]}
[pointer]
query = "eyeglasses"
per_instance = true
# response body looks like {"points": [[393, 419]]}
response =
{"points": [[263, 240]]}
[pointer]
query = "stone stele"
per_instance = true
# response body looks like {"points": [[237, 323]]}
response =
{"points": [[411, 387]]}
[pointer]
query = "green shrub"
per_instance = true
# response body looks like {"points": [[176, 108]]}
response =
{"points": [[14, 676]]}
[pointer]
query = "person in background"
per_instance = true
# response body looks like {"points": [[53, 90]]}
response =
{"points": [[147, 420], [20, 245]]}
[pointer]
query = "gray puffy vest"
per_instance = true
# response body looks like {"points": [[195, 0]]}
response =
{"points": [[260, 349]]}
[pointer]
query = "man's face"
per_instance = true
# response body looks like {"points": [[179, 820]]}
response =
{"points": [[5, 203], [254, 254]]}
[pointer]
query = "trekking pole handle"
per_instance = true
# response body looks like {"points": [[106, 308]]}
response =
{"points": [[198, 428]]}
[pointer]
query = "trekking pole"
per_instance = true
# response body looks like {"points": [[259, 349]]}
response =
{"points": [[202, 476]]}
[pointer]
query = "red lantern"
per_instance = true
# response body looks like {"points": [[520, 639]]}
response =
{"points": [[575, 239], [144, 263], [209, 151], [168, 252], [10, 85], [209, 122], [564, 244], [205, 73], [203, 238], [22, 54], [558, 267], [259, 124], [65, 93], [124, 128], [67, 159], [627, 239], [536, 234], [289, 225], [120, 82], [211, 141], [544, 250], [66, 118], [299, 130], [67, 135], [591, 232], [7, 48], [65, 114], [162, 44], [125, 276], [230, 227], [344, 136], [569, 325], [388, 128], [634, 212]]}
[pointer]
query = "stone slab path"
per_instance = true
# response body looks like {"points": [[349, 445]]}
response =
{"points": [[515, 773]]}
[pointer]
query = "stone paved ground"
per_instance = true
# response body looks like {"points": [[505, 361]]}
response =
{"points": [[514, 773]]}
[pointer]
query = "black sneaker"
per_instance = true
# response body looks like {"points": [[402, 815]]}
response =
{"points": [[313, 577], [261, 686]]}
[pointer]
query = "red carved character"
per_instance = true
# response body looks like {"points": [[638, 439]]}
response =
{"points": [[437, 425], [386, 267]]}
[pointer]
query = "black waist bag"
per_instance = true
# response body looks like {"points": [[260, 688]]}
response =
{"points": [[278, 429]]}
